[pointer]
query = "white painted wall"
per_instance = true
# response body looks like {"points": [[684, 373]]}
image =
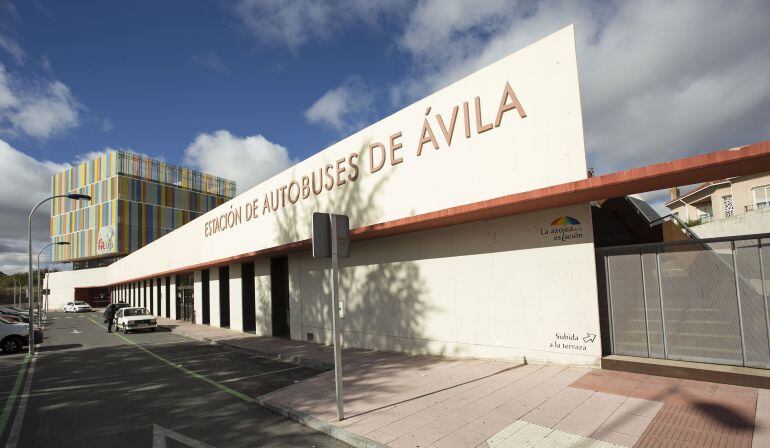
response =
{"points": [[542, 149], [262, 296], [62, 284], [172, 294], [198, 296], [757, 221], [236, 297], [214, 297], [493, 289]]}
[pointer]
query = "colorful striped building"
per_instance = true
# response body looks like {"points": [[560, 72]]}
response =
{"points": [[135, 200]]}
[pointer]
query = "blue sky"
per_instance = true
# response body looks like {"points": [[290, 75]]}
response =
{"points": [[244, 88], [152, 78]]}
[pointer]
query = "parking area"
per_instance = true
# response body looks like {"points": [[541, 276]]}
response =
{"points": [[92, 388]]}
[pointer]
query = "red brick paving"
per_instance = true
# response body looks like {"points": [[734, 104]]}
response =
{"points": [[694, 414]]}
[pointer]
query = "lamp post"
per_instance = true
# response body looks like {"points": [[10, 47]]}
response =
{"points": [[75, 196], [39, 291]]}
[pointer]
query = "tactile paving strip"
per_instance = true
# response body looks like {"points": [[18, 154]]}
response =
{"points": [[700, 425]]}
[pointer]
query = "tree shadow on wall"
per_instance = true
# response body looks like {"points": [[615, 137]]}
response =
{"points": [[385, 303]]}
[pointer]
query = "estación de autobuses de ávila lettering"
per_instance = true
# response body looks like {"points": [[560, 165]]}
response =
{"points": [[346, 169]]}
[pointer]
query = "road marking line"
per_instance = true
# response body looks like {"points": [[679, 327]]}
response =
{"points": [[222, 387], [13, 436], [262, 374], [159, 435], [8, 408]]}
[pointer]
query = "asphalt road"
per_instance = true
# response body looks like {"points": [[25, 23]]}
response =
{"points": [[90, 388]]}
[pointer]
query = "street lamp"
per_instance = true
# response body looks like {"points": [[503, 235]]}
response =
{"points": [[75, 196], [39, 292]]}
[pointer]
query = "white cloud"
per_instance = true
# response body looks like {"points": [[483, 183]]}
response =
{"points": [[107, 125], [46, 112], [293, 23], [13, 48], [659, 79], [344, 108], [24, 182], [39, 110], [210, 60], [247, 160]]}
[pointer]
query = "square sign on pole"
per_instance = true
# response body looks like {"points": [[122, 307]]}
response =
{"points": [[322, 235], [331, 239]]}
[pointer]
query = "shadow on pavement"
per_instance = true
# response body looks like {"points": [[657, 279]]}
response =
{"points": [[55, 348]]}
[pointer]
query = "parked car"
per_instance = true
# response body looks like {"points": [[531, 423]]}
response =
{"points": [[130, 319], [10, 312], [76, 307], [11, 318], [15, 335], [115, 307], [20, 310]]}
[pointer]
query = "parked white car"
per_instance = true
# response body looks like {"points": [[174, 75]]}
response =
{"points": [[130, 319], [76, 307], [15, 335]]}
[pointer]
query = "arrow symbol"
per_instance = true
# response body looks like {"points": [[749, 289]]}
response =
{"points": [[589, 338], [75, 331]]}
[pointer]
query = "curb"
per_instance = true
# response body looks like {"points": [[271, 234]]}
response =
{"points": [[319, 425], [291, 359], [300, 417]]}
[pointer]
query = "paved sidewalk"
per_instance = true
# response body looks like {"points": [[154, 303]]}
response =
{"points": [[423, 401]]}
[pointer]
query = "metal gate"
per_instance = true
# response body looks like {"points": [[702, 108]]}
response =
{"points": [[697, 300]]}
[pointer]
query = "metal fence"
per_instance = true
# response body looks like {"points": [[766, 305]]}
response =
{"points": [[698, 300]]}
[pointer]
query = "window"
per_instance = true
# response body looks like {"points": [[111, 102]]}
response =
{"points": [[727, 202], [761, 197], [704, 209]]}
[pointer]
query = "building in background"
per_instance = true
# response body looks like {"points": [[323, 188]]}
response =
{"points": [[135, 201], [731, 206]]}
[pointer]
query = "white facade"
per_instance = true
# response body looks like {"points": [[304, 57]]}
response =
{"points": [[522, 286]]}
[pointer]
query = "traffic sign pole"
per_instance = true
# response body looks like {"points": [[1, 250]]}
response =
{"points": [[336, 318]]}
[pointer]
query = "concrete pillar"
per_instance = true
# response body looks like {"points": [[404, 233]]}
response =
{"points": [[262, 295], [295, 298], [153, 295], [236, 296], [198, 296], [158, 296], [214, 297], [163, 296], [172, 293]]}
